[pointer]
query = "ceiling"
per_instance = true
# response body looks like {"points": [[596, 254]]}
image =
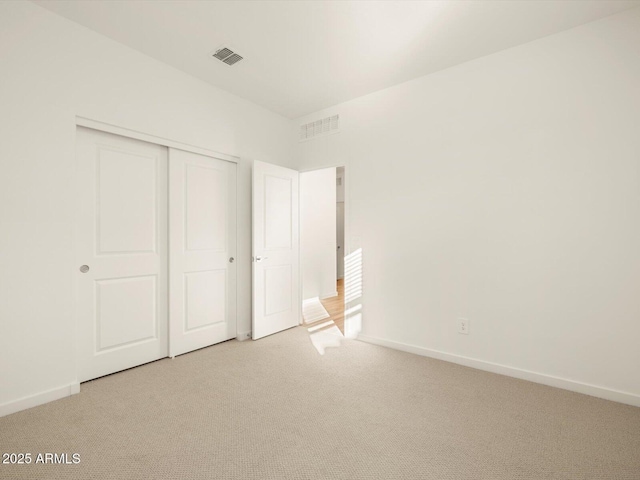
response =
{"points": [[303, 56]]}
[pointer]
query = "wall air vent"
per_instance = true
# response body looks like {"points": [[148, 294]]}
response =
{"points": [[226, 55], [319, 128]]}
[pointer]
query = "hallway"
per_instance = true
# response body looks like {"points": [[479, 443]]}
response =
{"points": [[335, 308]]}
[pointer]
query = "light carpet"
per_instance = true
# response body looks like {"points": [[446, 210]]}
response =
{"points": [[276, 409]]}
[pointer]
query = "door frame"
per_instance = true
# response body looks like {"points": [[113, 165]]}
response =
{"points": [[150, 138], [100, 126], [347, 208]]}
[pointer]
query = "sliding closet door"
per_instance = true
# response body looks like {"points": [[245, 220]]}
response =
{"points": [[202, 221], [121, 259]]}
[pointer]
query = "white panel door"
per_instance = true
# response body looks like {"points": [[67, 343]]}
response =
{"points": [[121, 259], [202, 216], [276, 302]]}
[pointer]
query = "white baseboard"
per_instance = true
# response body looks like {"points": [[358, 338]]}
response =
{"points": [[329, 295], [39, 399], [242, 336], [544, 379]]}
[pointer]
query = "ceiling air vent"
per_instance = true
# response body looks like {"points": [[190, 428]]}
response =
{"points": [[325, 126], [226, 55]]}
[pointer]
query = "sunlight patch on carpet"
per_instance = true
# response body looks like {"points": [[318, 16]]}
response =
{"points": [[330, 337]]}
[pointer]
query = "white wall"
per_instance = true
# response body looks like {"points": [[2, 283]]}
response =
{"points": [[50, 71], [318, 233], [505, 190]]}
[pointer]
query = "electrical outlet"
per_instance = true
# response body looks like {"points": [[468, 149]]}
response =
{"points": [[463, 326]]}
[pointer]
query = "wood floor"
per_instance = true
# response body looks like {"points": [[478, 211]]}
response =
{"points": [[335, 306]]}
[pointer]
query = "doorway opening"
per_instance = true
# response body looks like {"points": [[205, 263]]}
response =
{"points": [[322, 254]]}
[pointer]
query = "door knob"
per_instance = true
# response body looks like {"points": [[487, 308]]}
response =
{"points": [[231, 259], [259, 259], [84, 268]]}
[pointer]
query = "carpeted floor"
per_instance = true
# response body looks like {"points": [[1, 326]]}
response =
{"points": [[276, 409]]}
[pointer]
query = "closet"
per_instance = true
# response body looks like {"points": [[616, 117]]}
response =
{"points": [[155, 272]]}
